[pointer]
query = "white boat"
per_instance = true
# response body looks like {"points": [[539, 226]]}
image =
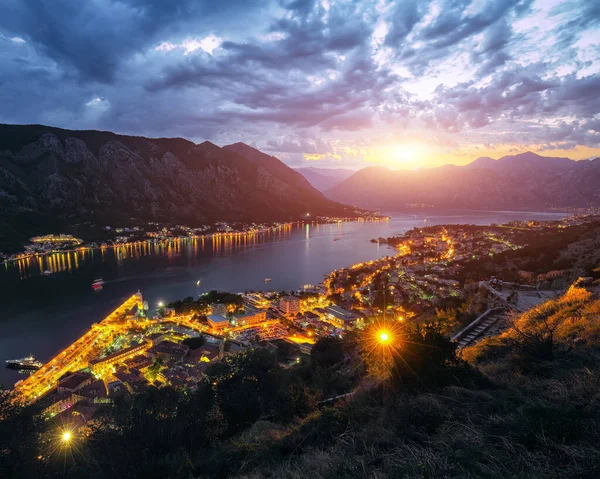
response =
{"points": [[267, 280], [28, 362]]}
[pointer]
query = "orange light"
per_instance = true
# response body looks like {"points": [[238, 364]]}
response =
{"points": [[384, 337]]}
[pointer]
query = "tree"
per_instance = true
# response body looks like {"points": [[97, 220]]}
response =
{"points": [[426, 359], [154, 369], [327, 352], [244, 386]]}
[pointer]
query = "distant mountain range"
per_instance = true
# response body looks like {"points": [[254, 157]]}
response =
{"points": [[324, 178], [50, 177], [525, 181]]}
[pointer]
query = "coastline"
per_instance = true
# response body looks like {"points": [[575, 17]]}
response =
{"points": [[160, 239]]}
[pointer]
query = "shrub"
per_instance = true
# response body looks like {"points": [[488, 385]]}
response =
{"points": [[425, 359]]}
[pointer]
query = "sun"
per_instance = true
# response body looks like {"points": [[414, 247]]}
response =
{"points": [[408, 155], [404, 156]]}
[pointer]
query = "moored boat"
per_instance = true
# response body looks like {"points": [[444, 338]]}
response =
{"points": [[27, 363]]}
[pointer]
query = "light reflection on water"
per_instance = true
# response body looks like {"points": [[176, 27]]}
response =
{"points": [[217, 244], [57, 262]]}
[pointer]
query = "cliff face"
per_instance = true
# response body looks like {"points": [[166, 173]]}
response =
{"points": [[50, 176], [526, 181]]}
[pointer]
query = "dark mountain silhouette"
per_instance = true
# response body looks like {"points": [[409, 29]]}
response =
{"points": [[51, 178], [525, 181]]}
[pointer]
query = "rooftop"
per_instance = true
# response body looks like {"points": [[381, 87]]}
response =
{"points": [[74, 381], [170, 347], [290, 298], [217, 318], [117, 354]]}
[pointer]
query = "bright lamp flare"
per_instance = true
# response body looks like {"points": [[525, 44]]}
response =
{"points": [[384, 337], [66, 437]]}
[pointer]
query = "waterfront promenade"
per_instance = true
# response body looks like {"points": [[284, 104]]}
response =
{"points": [[78, 354]]}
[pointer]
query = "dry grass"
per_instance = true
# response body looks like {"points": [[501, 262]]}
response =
{"points": [[532, 420]]}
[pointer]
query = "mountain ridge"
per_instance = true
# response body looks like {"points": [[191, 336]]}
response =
{"points": [[52, 177], [324, 178], [520, 181]]}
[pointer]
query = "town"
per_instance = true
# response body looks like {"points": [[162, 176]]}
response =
{"points": [[133, 348]]}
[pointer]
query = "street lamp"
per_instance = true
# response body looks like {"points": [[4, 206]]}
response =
{"points": [[66, 437], [160, 304], [384, 337]]}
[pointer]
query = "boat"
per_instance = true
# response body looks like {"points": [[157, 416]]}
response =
{"points": [[267, 280], [47, 272], [97, 284], [27, 363]]}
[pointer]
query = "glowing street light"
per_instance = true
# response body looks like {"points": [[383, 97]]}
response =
{"points": [[160, 304], [384, 337], [66, 437]]}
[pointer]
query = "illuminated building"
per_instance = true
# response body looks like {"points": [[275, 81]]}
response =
{"points": [[255, 300], [105, 365], [55, 402], [217, 321], [289, 305], [343, 318], [250, 317]]}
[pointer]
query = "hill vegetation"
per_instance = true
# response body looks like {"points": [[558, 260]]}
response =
{"points": [[576, 248]]}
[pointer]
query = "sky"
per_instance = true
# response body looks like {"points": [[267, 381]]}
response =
{"points": [[324, 83]]}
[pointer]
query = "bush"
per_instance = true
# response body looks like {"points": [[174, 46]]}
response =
{"points": [[426, 359]]}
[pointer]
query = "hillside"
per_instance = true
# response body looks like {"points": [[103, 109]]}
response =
{"points": [[523, 403], [526, 181], [52, 178], [324, 178]]}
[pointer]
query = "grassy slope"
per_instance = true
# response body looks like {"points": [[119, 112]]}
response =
{"points": [[535, 416]]}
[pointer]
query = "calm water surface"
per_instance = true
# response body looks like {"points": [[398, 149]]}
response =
{"points": [[43, 314]]}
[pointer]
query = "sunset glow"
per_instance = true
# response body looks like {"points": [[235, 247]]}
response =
{"points": [[406, 85]]}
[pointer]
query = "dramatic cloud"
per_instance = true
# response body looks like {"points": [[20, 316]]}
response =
{"points": [[404, 83]]}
